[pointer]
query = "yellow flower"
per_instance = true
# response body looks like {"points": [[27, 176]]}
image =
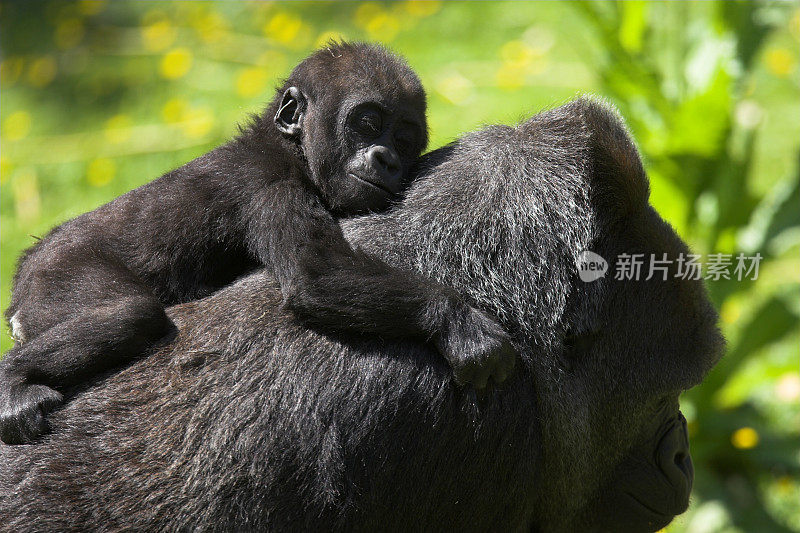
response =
{"points": [[283, 27], [383, 27], [42, 71], [198, 122], [211, 27], [101, 171], [731, 311], [510, 76], [784, 484], [251, 81], [422, 8], [25, 187], [69, 33], [10, 70], [517, 53], [5, 169], [379, 23], [519, 61], [745, 438], [780, 62], [174, 110], [176, 63], [91, 7], [327, 36], [17, 126], [118, 128], [366, 12], [159, 33]]}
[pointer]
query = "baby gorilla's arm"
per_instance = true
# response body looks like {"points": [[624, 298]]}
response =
{"points": [[328, 283]]}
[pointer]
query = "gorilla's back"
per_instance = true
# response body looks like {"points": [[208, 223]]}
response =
{"points": [[250, 421]]}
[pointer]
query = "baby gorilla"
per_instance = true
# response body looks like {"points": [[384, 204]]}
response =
{"points": [[338, 140]]}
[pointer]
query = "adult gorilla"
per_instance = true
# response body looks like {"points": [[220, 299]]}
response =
{"points": [[249, 421]]}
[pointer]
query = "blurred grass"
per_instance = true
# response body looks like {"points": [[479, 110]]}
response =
{"points": [[99, 97]]}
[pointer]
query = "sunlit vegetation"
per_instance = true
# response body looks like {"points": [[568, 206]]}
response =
{"points": [[99, 97]]}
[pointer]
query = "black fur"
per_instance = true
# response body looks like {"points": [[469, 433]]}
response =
{"points": [[249, 421], [338, 140]]}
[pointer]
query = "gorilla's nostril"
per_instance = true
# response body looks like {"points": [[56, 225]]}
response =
{"points": [[676, 464], [684, 463], [384, 158]]}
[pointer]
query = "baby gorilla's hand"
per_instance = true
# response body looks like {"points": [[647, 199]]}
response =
{"points": [[477, 349], [23, 408]]}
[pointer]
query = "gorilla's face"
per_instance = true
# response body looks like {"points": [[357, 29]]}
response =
{"points": [[360, 121], [648, 341]]}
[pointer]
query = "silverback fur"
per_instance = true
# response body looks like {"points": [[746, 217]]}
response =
{"points": [[249, 421]]}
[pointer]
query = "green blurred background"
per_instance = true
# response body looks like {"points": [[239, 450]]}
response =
{"points": [[99, 97]]}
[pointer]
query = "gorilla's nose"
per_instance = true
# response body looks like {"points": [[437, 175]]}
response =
{"points": [[387, 165], [676, 463]]}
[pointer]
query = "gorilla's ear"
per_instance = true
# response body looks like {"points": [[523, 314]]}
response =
{"points": [[618, 178], [289, 117]]}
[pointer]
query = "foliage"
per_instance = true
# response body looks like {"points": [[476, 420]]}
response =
{"points": [[99, 97]]}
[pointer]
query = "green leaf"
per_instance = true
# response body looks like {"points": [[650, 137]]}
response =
{"points": [[632, 28]]}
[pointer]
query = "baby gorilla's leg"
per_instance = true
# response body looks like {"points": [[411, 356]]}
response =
{"points": [[94, 340]]}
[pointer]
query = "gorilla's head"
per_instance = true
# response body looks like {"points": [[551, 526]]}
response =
{"points": [[631, 342], [608, 358]]}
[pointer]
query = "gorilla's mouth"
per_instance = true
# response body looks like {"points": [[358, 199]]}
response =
{"points": [[649, 518], [647, 508], [374, 184]]}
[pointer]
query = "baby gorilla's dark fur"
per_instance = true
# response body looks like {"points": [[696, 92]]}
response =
{"points": [[338, 140]]}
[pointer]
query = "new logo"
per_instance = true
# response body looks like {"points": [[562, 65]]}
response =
{"points": [[591, 266]]}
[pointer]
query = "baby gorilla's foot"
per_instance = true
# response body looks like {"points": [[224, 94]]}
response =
{"points": [[23, 410], [477, 349]]}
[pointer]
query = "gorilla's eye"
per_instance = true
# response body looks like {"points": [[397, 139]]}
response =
{"points": [[405, 141], [578, 343], [368, 122]]}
